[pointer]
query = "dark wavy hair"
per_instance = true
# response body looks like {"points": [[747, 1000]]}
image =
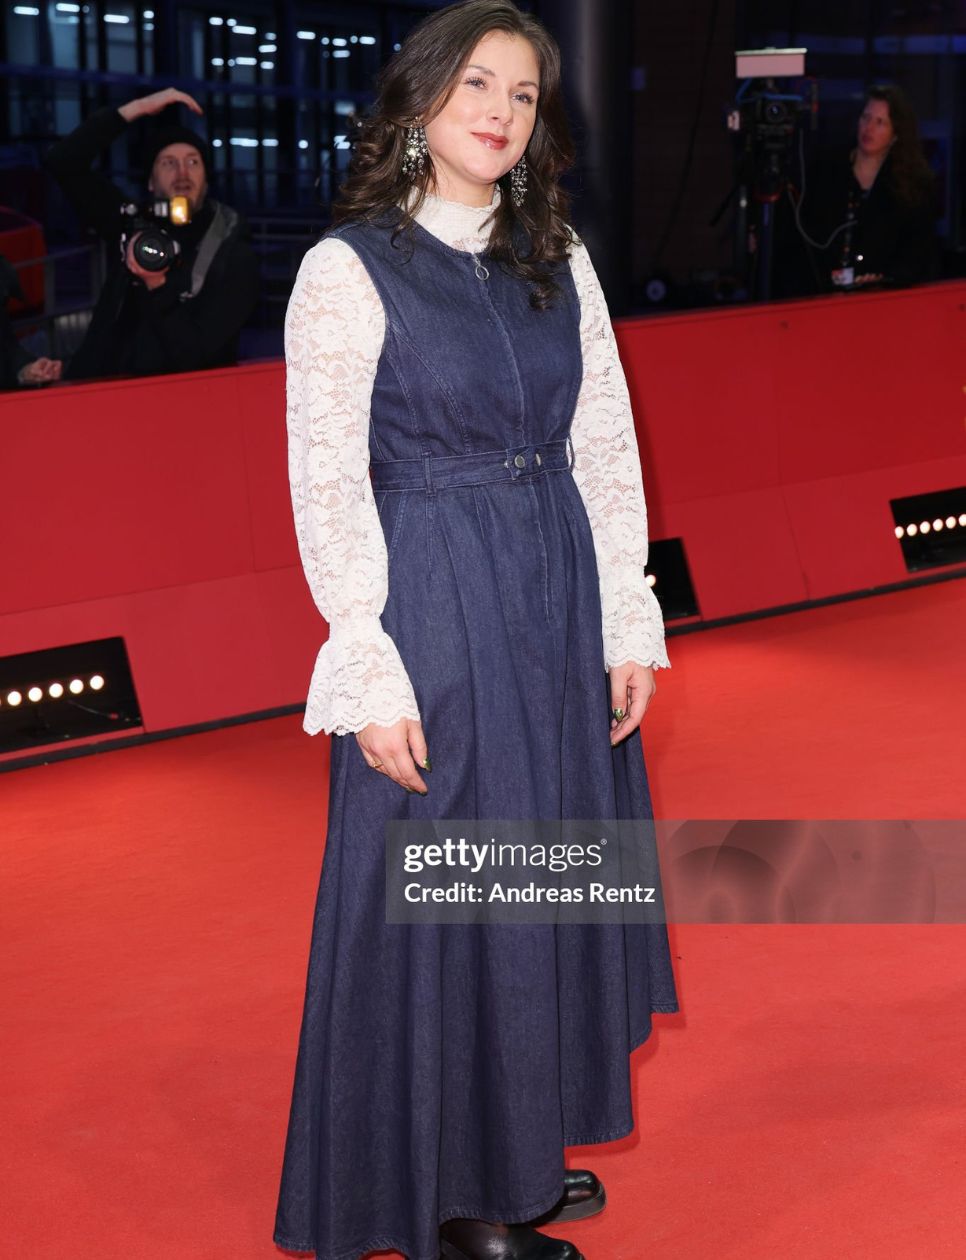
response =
{"points": [[417, 83], [908, 171]]}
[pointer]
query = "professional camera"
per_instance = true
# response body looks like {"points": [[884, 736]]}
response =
{"points": [[769, 121], [774, 107], [155, 247]]}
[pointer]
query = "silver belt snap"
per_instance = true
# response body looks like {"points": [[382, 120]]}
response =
{"points": [[538, 459], [519, 461]]}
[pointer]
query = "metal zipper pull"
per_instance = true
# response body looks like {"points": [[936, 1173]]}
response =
{"points": [[481, 271]]}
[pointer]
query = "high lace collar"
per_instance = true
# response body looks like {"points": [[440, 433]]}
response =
{"points": [[457, 225]]}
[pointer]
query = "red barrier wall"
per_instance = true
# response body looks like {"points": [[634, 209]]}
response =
{"points": [[774, 437], [772, 440]]}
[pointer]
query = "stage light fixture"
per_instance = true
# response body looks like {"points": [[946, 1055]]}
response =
{"points": [[55, 690], [929, 528], [668, 570], [74, 692]]}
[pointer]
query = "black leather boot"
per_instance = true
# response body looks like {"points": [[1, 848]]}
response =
{"points": [[463, 1239], [583, 1196]]}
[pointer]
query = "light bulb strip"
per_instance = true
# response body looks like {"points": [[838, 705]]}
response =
{"points": [[53, 689], [938, 524]]}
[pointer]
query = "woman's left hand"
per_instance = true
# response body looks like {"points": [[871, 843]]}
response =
{"points": [[40, 371], [631, 688]]}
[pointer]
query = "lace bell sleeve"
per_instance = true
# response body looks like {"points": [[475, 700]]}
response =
{"points": [[607, 470], [334, 330]]}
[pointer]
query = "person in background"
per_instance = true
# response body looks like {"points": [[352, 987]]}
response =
{"points": [[188, 315], [17, 365], [866, 216]]}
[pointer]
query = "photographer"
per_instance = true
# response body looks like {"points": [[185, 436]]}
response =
{"points": [[868, 212], [184, 316]]}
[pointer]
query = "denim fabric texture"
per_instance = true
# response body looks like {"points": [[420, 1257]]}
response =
{"points": [[443, 1069]]}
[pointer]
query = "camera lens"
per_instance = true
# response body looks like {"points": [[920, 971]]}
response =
{"points": [[154, 250]]}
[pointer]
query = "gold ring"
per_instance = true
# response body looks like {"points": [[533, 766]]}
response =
{"points": [[374, 765]]}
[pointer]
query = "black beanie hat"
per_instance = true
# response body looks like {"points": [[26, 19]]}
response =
{"points": [[174, 133]]}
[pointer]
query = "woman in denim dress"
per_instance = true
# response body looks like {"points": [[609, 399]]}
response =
{"points": [[470, 513]]}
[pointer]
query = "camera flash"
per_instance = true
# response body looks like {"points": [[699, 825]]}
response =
{"points": [[179, 210]]}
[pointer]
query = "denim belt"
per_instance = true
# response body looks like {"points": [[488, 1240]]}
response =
{"points": [[442, 472]]}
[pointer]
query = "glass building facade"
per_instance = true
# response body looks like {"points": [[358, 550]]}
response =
{"points": [[279, 83]]}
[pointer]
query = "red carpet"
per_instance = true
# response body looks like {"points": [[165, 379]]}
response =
{"points": [[807, 1102]]}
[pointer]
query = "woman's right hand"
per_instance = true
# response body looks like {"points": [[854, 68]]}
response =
{"points": [[397, 751]]}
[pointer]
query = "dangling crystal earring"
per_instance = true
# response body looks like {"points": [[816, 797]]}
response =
{"points": [[518, 181], [416, 151]]}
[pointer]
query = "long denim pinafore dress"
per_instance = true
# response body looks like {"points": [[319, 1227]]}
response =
{"points": [[442, 1069]]}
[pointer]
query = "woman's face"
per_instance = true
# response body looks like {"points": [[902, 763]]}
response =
{"points": [[876, 132], [487, 122]]}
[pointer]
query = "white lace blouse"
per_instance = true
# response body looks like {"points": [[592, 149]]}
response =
{"points": [[334, 331]]}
